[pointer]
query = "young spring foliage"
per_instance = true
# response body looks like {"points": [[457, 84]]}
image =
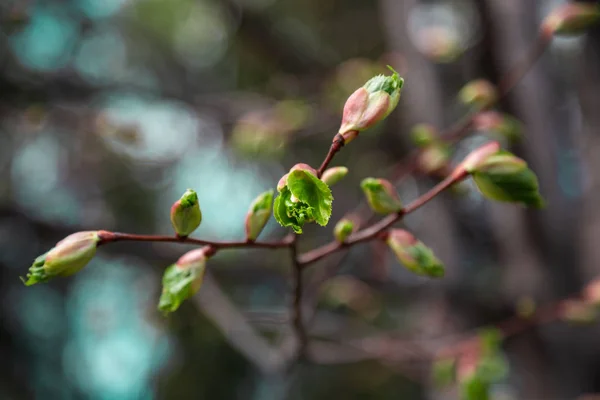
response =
{"points": [[343, 229], [302, 198]]}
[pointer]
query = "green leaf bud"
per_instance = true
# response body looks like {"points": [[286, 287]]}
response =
{"points": [[370, 104], [185, 214], [343, 229], [413, 254], [68, 257], [479, 93], [381, 196], [503, 125], [423, 135], [258, 215], [333, 175]]}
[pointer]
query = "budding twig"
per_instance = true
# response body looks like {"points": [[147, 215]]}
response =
{"points": [[338, 143]]}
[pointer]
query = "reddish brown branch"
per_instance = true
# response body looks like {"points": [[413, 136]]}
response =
{"points": [[338, 143], [297, 315], [374, 230], [110, 237]]}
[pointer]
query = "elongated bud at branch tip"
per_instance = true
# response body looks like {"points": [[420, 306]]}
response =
{"points": [[478, 93], [381, 195], [571, 18], [258, 215], [413, 254], [333, 175], [68, 257], [343, 229], [183, 279], [185, 214], [370, 104]]}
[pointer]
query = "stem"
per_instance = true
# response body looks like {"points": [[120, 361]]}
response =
{"points": [[374, 230], [297, 315], [110, 237], [338, 143]]}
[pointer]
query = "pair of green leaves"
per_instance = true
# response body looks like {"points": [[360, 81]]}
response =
{"points": [[304, 198]]}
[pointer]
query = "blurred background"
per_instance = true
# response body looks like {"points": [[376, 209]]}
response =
{"points": [[110, 109]]}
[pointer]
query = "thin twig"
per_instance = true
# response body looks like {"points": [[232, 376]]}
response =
{"points": [[374, 230], [338, 143], [109, 237]]}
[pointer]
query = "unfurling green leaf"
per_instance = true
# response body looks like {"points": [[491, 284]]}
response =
{"points": [[183, 279], [185, 214], [381, 195], [414, 255], [302, 198], [258, 214]]}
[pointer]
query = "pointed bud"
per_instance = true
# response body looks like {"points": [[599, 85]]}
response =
{"points": [[185, 214], [423, 135], [334, 175], [571, 18], [304, 167], [370, 104], [343, 229], [413, 254], [183, 279], [381, 195], [478, 93], [69, 256], [258, 215], [591, 293]]}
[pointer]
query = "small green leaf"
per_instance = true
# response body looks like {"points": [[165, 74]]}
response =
{"points": [[178, 285], [426, 263], [280, 211], [515, 187]]}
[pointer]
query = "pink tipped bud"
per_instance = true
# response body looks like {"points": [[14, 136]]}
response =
{"points": [[282, 183], [258, 215], [502, 124], [334, 175], [413, 254], [185, 214], [370, 104], [183, 279], [478, 93], [304, 167], [381, 195], [478, 156], [434, 158], [68, 257], [571, 18], [578, 312]]}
